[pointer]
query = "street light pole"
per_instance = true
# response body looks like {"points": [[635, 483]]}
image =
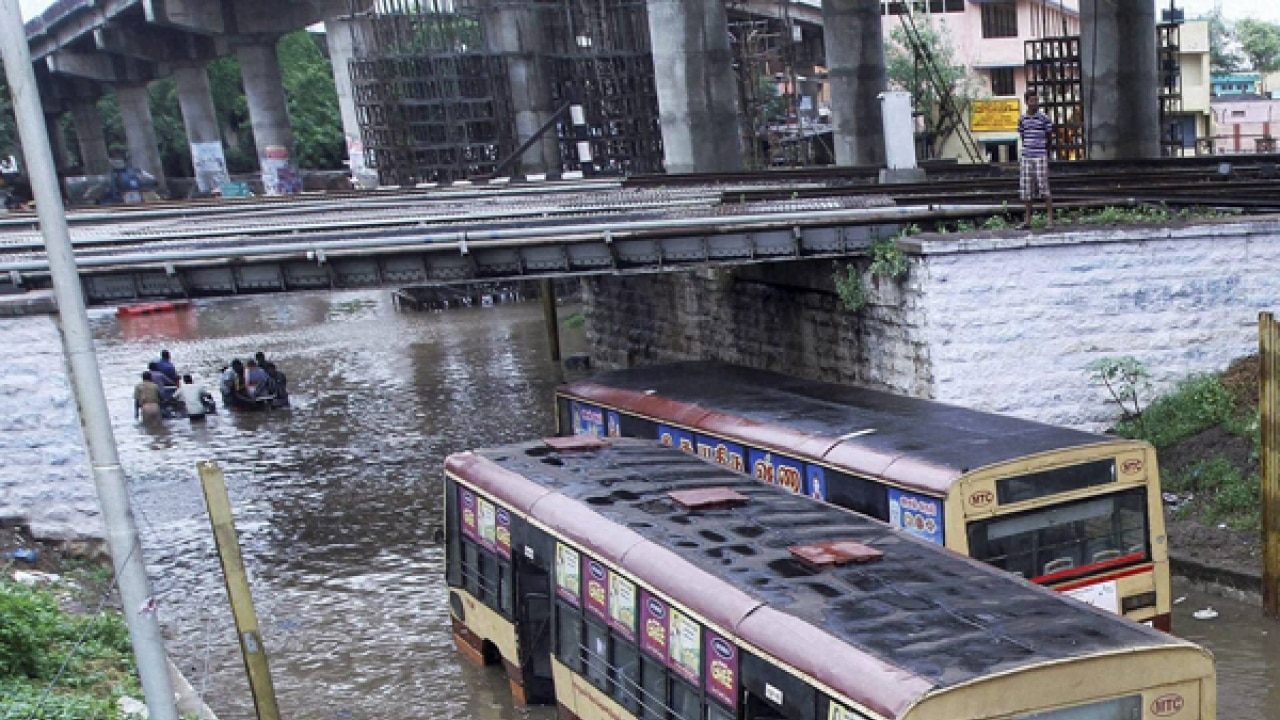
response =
{"points": [[77, 344]]}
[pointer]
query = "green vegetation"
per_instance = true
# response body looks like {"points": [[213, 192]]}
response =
{"points": [[574, 321], [887, 261], [55, 664], [1222, 489]]}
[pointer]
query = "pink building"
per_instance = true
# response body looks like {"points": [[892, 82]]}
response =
{"points": [[1245, 123]]}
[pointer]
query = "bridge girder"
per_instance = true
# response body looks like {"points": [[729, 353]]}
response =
{"points": [[100, 67]]}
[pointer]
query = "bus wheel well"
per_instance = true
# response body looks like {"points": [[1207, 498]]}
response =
{"points": [[490, 653]]}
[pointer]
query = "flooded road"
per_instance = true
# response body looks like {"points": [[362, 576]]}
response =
{"points": [[337, 502]]}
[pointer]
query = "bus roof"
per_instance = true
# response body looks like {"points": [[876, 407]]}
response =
{"points": [[885, 634], [920, 444]]}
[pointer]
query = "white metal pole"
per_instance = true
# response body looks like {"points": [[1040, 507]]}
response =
{"points": [[77, 343]]}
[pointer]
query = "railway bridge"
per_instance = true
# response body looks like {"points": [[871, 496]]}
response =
{"points": [[783, 271]]}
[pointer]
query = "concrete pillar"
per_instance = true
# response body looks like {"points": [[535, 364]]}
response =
{"points": [[856, 76], [94, 159], [1118, 55], [697, 92], [519, 34], [269, 113], [57, 142], [201, 121], [140, 130], [344, 37]]}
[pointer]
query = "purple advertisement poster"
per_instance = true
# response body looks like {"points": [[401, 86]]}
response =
{"points": [[503, 540], [722, 670], [597, 596], [467, 506], [653, 626]]}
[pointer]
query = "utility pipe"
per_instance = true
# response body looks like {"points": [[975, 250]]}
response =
{"points": [[77, 343]]}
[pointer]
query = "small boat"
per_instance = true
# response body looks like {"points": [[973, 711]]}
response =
{"points": [[153, 308]]}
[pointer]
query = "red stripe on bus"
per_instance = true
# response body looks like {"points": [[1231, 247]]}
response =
{"points": [[1094, 567]]}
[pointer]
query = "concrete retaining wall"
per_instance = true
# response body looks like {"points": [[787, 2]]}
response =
{"points": [[1007, 322], [45, 481]]}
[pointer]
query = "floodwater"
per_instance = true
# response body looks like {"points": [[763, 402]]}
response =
{"points": [[338, 499]]}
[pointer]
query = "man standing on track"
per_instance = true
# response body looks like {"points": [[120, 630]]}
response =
{"points": [[1034, 129]]}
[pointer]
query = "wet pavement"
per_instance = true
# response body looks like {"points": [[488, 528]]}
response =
{"points": [[338, 499]]}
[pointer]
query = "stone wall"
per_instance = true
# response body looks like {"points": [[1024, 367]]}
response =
{"points": [[45, 481], [1007, 322]]}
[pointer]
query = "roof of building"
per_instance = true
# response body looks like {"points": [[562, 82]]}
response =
{"points": [[917, 443], [885, 633]]}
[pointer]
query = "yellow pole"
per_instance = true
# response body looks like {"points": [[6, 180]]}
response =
{"points": [[1268, 345], [224, 534]]}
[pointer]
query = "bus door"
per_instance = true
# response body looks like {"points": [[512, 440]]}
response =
{"points": [[533, 559]]}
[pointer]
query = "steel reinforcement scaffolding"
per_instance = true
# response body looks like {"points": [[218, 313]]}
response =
{"points": [[434, 96]]}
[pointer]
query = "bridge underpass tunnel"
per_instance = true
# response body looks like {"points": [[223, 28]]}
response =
{"points": [[697, 93], [856, 75], [140, 130], [269, 113], [1118, 60], [201, 120]]}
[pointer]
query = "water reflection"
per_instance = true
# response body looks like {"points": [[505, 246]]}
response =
{"points": [[336, 500]]}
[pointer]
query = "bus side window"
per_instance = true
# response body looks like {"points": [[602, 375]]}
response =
{"points": [[597, 652], [717, 712], [686, 701], [488, 578], [625, 659], [471, 568], [569, 636], [633, 426], [653, 683], [453, 536], [505, 590], [858, 494]]}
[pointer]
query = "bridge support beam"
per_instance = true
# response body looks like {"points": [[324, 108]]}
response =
{"points": [[93, 142], [269, 113], [343, 38], [57, 143], [856, 75], [518, 32], [1118, 57], [201, 120], [697, 94], [140, 130]]}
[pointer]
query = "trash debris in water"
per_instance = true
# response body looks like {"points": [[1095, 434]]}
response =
{"points": [[1180, 599], [1205, 614], [23, 554]]}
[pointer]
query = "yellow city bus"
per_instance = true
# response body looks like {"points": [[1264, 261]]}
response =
{"points": [[623, 580], [1076, 511]]}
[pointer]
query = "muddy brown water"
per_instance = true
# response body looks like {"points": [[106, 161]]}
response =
{"points": [[338, 499]]}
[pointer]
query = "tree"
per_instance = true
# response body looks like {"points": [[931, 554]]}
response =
{"points": [[910, 73], [1260, 41], [8, 125], [319, 142], [1223, 56]]}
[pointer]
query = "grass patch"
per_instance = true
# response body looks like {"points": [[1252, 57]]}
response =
{"points": [[36, 639], [1222, 492], [1196, 404], [574, 321]]}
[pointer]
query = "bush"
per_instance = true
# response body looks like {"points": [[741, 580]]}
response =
{"points": [[28, 627], [1195, 405]]}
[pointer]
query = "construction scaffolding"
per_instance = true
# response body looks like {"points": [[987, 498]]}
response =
{"points": [[1054, 74], [1168, 48], [433, 85]]}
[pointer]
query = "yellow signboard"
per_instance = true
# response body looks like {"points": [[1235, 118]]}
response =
{"points": [[994, 115]]}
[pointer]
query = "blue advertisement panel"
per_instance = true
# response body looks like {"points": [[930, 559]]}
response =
{"points": [[587, 419], [776, 469], [722, 452], [917, 514], [614, 424], [815, 485], [676, 438]]}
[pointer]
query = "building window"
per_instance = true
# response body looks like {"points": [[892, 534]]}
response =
{"points": [[1002, 84], [999, 20], [898, 7]]}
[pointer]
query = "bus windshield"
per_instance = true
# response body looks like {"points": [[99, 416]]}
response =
{"points": [[1065, 539]]}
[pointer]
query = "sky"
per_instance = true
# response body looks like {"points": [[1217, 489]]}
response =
{"points": [[1233, 9]]}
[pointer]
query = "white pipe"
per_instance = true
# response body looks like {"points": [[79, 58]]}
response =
{"points": [[77, 342]]}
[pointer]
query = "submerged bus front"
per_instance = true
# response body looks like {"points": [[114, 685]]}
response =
{"points": [[1084, 519]]}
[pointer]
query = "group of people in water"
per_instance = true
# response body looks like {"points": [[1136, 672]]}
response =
{"points": [[256, 384], [164, 393]]}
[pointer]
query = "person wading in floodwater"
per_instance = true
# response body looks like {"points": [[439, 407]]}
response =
{"points": [[146, 400], [1034, 130]]}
